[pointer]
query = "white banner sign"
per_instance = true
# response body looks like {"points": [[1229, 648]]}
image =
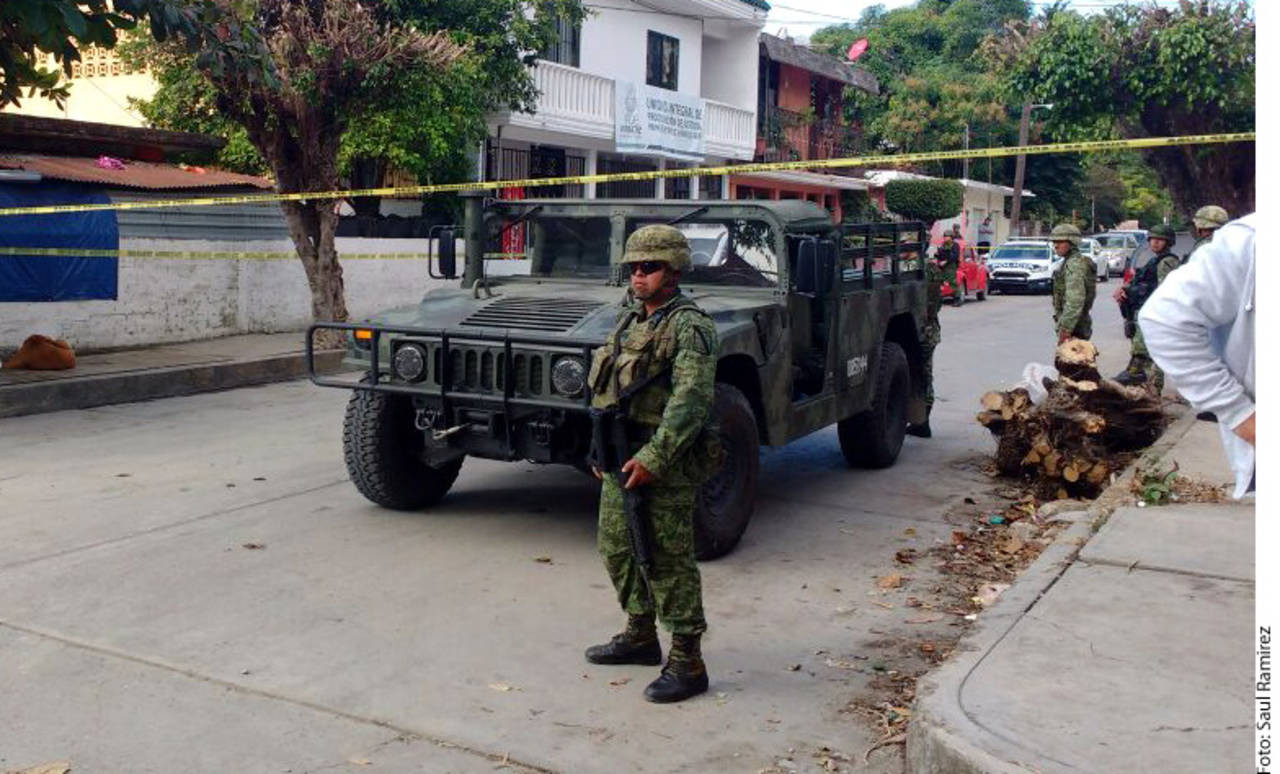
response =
{"points": [[658, 122]]}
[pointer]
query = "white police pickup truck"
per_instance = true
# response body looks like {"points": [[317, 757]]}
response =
{"points": [[1022, 266], [1028, 265]]}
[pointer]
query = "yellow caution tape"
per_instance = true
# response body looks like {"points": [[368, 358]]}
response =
{"points": [[617, 177], [231, 255]]}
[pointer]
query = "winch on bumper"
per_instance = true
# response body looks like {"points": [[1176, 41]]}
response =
{"points": [[502, 397]]}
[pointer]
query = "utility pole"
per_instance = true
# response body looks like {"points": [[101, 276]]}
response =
{"points": [[1020, 166], [966, 147]]}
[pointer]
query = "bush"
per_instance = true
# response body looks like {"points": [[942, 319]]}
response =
{"points": [[926, 200]]}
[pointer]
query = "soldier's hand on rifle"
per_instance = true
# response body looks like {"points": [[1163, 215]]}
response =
{"points": [[1063, 336], [596, 472], [1119, 295], [640, 475]]}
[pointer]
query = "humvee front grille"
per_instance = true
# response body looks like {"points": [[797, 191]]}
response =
{"points": [[553, 315], [479, 368]]}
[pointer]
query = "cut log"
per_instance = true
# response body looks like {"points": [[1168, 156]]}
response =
{"points": [[993, 401], [1079, 434]]}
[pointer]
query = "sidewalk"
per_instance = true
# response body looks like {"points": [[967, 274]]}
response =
{"points": [[1125, 650], [161, 371]]}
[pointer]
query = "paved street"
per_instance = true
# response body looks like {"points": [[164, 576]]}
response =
{"points": [[191, 584]]}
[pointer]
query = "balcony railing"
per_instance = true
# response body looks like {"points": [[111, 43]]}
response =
{"points": [[730, 130], [788, 135], [582, 103]]}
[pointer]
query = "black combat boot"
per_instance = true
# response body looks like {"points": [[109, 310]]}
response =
{"points": [[920, 431], [1133, 374], [637, 644], [684, 675]]}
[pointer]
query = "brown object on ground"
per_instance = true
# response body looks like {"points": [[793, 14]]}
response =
{"points": [[1082, 432], [41, 353]]}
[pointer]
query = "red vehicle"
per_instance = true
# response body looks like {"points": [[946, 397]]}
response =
{"points": [[972, 277]]}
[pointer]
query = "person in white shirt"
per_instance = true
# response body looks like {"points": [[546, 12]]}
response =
{"points": [[1199, 328]]}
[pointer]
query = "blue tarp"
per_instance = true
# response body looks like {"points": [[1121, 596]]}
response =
{"points": [[56, 278]]}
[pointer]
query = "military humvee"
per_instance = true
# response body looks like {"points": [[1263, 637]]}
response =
{"points": [[818, 325]]}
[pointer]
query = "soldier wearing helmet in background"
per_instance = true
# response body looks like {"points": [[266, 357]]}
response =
{"points": [[1074, 285], [656, 371], [1207, 220], [1132, 296]]}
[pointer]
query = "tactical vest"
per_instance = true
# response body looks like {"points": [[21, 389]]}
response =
{"points": [[638, 354], [1143, 285], [633, 371]]}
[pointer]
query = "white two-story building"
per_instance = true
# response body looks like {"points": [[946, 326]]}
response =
{"points": [[637, 86]]}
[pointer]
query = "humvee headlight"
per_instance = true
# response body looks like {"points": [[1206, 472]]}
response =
{"points": [[569, 375], [410, 362]]}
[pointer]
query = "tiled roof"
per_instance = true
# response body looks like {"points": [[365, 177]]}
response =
{"points": [[136, 174], [783, 50]]}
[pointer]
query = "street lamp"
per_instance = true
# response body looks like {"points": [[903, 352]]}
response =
{"points": [[1020, 168]]}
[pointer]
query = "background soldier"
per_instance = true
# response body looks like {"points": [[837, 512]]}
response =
{"points": [[948, 255], [931, 337], [1207, 220], [1131, 297], [1074, 285], [657, 370]]}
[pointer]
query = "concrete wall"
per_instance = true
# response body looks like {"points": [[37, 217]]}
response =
{"points": [[170, 300], [794, 89], [101, 99], [729, 69], [615, 43]]}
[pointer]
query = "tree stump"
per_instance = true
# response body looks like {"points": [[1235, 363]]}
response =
{"points": [[1071, 442]]}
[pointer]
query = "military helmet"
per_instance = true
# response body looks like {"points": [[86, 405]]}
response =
{"points": [[1210, 216], [658, 242], [1065, 232], [1162, 231]]}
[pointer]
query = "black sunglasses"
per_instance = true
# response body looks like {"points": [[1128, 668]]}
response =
{"points": [[647, 267]]}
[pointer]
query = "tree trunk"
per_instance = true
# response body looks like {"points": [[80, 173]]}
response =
{"points": [[1216, 174], [312, 226]]}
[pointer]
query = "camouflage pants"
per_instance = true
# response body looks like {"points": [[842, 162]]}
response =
{"points": [[673, 589], [932, 337], [1083, 329], [1140, 360]]}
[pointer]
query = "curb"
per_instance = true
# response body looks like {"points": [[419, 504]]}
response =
{"points": [[942, 738], [149, 384]]}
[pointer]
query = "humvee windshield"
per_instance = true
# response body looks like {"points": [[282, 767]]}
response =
{"points": [[738, 252], [723, 252]]}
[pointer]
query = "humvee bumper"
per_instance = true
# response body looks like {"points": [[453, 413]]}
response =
{"points": [[484, 394]]}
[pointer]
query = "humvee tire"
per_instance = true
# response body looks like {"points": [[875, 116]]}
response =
{"points": [[727, 500], [382, 449], [873, 438]]}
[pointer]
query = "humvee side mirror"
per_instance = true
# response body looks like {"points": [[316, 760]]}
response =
{"points": [[448, 255], [815, 268]]}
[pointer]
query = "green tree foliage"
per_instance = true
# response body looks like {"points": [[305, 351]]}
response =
{"points": [[319, 85], [31, 30], [926, 200], [931, 82], [1140, 71]]}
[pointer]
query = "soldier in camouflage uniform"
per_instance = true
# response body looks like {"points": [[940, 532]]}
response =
{"points": [[1207, 220], [948, 257], [1074, 285], [1131, 297], [931, 336], [665, 343]]}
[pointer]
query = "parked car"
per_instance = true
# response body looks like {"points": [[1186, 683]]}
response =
{"points": [[972, 278], [1023, 266], [1091, 249], [1119, 248]]}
